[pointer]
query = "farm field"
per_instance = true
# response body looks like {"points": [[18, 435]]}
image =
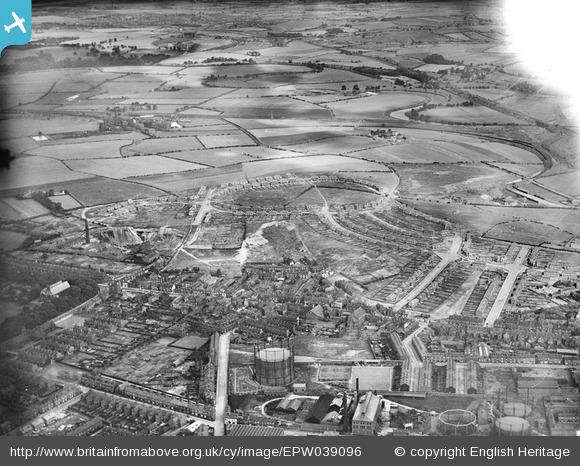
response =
{"points": [[520, 168], [445, 180], [266, 107], [66, 201], [483, 218], [310, 164], [337, 145], [29, 171], [376, 106], [99, 190], [132, 166], [566, 183], [162, 145], [216, 157], [467, 115], [83, 150], [192, 180], [298, 135], [12, 208], [225, 140], [30, 126], [531, 233], [10, 240]]}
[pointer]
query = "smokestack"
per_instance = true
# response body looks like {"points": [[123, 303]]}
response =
{"points": [[356, 388], [87, 236]]}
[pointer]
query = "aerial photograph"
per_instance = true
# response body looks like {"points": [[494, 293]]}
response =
{"points": [[285, 218]]}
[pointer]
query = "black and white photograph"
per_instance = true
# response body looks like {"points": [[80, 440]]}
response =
{"points": [[290, 218]]}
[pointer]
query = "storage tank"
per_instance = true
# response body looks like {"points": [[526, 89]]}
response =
{"points": [[457, 422], [517, 409], [512, 426], [274, 365]]}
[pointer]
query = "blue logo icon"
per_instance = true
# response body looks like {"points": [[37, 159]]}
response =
{"points": [[15, 22]]}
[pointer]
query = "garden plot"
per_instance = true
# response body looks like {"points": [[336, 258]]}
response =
{"points": [[26, 172], [96, 191], [163, 145], [375, 106], [132, 166], [83, 150]]}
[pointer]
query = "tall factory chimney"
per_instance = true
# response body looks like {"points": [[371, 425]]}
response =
{"points": [[87, 236]]}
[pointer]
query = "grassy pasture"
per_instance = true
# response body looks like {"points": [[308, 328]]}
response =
{"points": [[529, 233], [483, 218], [132, 166], [17, 126], [30, 171], [375, 106], [310, 164], [66, 201], [83, 150], [12, 208], [163, 145], [226, 140], [337, 145], [105, 191], [567, 183], [214, 157], [476, 114]]}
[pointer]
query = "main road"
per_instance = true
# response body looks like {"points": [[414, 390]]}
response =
{"points": [[513, 270], [221, 391], [446, 258]]}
